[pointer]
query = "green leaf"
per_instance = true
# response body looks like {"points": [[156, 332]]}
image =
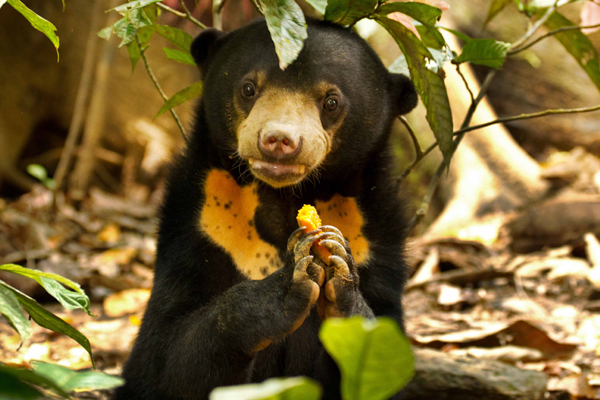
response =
{"points": [[69, 380], [488, 52], [429, 84], [319, 5], [179, 56], [287, 26], [374, 356], [12, 311], [134, 54], [190, 92], [176, 36], [272, 389], [495, 8], [430, 36], [29, 376], [578, 45], [67, 298], [12, 388], [106, 33], [133, 5], [423, 13], [46, 319], [39, 23], [348, 12], [458, 34], [37, 171]]}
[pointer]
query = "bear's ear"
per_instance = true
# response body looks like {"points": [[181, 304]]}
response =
{"points": [[202, 47], [403, 94]]}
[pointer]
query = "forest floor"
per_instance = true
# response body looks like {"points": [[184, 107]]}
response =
{"points": [[515, 299]]}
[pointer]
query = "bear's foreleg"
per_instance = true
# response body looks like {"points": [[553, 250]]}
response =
{"points": [[218, 342]]}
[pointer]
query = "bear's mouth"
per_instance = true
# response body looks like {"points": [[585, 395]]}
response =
{"points": [[277, 172]]}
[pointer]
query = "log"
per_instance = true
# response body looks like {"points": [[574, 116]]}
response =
{"points": [[441, 376]]}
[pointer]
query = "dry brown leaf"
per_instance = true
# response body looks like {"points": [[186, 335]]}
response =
{"points": [[110, 233], [576, 385], [493, 334], [507, 354], [126, 302]]}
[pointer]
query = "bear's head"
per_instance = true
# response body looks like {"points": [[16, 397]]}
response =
{"points": [[322, 116]]}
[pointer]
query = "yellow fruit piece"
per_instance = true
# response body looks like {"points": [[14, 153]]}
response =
{"points": [[309, 218]]}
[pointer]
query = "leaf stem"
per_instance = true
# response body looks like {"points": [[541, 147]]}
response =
{"points": [[551, 33], [559, 111], [465, 82], [535, 26], [187, 15], [157, 86]]}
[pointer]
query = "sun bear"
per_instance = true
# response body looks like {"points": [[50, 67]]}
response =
{"points": [[238, 294]]}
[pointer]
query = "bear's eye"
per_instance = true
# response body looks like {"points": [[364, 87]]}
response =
{"points": [[248, 90], [331, 104]]}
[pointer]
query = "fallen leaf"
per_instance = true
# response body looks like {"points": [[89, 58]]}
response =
{"points": [[126, 302]]}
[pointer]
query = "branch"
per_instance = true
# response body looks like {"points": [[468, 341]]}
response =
{"points": [[413, 136], [157, 86], [187, 15], [465, 82], [422, 211], [551, 33], [535, 26], [462, 131]]}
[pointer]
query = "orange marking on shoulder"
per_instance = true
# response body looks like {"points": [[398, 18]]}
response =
{"points": [[227, 218], [344, 214]]}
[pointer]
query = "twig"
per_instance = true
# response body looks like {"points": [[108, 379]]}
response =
{"points": [[535, 26], [157, 86], [422, 211], [81, 99], [414, 163], [551, 33], [187, 15], [413, 136], [465, 82], [462, 131]]}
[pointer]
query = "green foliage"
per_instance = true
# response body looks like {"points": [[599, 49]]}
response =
{"points": [[39, 172], [12, 301], [578, 45], [272, 389], [488, 52], [178, 37], [69, 380], [287, 26], [179, 56], [39, 23], [12, 311], [190, 92], [19, 383], [374, 356], [429, 84], [349, 12], [69, 299]]}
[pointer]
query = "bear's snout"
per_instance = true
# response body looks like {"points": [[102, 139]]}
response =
{"points": [[279, 144]]}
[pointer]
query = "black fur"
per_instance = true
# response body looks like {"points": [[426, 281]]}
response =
{"points": [[204, 317]]}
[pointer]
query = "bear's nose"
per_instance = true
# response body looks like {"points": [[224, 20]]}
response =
{"points": [[279, 145]]}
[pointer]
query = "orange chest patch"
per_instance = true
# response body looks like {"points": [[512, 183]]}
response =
{"points": [[227, 219], [344, 214]]}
